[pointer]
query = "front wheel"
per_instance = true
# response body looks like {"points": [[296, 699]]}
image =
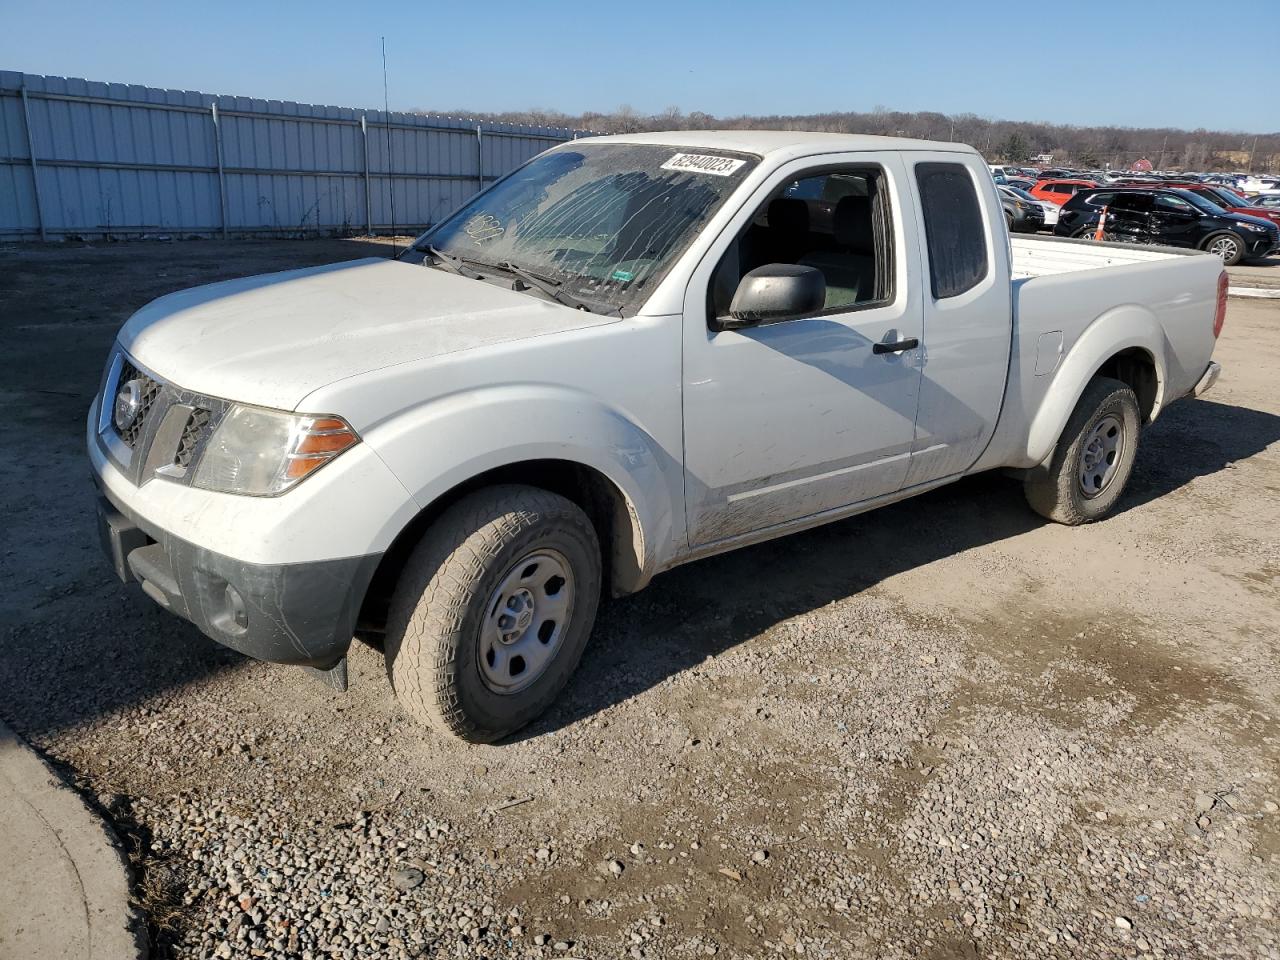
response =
{"points": [[1227, 246], [1094, 458], [493, 610]]}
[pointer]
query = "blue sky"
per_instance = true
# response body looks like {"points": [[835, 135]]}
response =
{"points": [[1142, 63]]}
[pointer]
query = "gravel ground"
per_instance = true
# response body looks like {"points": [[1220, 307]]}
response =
{"points": [[942, 730]]}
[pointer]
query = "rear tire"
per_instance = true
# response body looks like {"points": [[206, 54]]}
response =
{"points": [[1227, 246], [492, 611], [1094, 458]]}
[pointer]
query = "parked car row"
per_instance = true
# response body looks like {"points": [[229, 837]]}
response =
{"points": [[1173, 217], [1186, 210]]}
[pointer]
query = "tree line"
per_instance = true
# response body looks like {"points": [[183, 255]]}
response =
{"points": [[1001, 141]]}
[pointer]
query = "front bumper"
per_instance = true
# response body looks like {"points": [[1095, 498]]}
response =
{"points": [[1260, 248], [299, 613], [1028, 221]]}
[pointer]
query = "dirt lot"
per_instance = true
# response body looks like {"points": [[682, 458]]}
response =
{"points": [[945, 729]]}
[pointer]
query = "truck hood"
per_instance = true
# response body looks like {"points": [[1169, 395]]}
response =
{"points": [[271, 340]]}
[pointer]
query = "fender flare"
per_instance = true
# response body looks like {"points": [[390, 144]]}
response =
{"points": [[487, 428], [1126, 327]]}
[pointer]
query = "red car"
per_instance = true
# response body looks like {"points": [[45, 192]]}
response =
{"points": [[1059, 191], [1224, 198]]}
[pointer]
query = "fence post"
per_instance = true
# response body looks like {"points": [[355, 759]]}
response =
{"points": [[35, 169], [222, 184], [368, 202], [479, 158]]}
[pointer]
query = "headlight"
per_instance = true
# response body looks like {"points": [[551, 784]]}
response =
{"points": [[261, 453], [1253, 226]]}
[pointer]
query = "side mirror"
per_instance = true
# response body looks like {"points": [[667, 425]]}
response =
{"points": [[776, 291]]}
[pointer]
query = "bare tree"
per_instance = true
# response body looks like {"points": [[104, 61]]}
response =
{"points": [[1201, 150]]}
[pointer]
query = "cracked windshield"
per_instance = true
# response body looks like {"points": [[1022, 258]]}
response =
{"points": [[595, 226]]}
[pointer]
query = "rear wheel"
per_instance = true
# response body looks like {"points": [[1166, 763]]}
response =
{"points": [[1094, 458], [1227, 246], [493, 611]]}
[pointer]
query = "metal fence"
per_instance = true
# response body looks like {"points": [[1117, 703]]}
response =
{"points": [[87, 159]]}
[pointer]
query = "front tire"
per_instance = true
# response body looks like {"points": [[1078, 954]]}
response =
{"points": [[1094, 458], [493, 611], [1227, 246]]}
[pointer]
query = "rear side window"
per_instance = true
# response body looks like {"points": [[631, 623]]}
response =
{"points": [[1138, 200], [953, 227]]}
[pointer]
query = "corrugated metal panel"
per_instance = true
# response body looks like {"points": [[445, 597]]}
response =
{"points": [[113, 159]]}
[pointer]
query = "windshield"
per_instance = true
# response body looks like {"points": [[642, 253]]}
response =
{"points": [[603, 221], [1208, 206], [1231, 198]]}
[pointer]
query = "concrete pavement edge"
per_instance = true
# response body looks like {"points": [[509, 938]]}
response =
{"points": [[65, 885]]}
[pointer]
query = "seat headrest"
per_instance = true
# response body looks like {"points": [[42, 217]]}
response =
{"points": [[851, 225], [789, 215]]}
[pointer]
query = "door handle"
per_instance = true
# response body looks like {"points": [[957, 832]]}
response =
{"points": [[895, 346]]}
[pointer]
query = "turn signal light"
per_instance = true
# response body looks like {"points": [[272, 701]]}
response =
{"points": [[318, 442]]}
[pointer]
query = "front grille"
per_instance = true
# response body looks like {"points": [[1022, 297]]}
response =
{"points": [[148, 393], [192, 434]]}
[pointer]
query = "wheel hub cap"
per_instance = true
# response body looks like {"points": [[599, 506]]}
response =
{"points": [[1224, 248], [1100, 457], [526, 620]]}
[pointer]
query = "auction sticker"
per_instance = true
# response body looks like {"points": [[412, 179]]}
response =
{"points": [[703, 163]]}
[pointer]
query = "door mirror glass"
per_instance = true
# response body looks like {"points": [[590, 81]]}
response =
{"points": [[776, 291]]}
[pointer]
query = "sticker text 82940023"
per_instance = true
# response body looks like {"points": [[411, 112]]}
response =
{"points": [[703, 163]]}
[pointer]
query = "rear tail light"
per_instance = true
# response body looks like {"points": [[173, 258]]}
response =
{"points": [[1220, 315]]}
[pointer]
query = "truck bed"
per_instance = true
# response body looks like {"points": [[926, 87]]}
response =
{"points": [[1048, 256], [1061, 288]]}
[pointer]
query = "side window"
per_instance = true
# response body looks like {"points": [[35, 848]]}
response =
{"points": [[837, 222], [953, 227], [1100, 199], [1139, 201], [1169, 204]]}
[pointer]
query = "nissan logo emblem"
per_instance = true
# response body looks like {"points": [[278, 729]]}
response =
{"points": [[128, 404]]}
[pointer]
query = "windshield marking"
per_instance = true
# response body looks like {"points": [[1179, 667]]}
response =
{"points": [[605, 220]]}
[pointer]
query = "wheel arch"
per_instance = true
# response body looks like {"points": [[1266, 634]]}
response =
{"points": [[612, 513], [1125, 344]]}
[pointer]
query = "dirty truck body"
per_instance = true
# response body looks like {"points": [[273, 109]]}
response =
{"points": [[630, 353]]}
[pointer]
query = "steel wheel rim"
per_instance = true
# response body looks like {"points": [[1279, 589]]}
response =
{"points": [[525, 621], [1100, 456], [1224, 247]]}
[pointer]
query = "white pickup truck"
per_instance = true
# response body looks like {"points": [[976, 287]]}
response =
{"points": [[630, 353]]}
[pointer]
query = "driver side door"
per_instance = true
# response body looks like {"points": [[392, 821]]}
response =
{"points": [[808, 414]]}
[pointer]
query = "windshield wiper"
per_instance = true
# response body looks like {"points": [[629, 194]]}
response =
{"points": [[450, 262], [554, 289]]}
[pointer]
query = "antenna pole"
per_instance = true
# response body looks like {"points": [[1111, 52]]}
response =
{"points": [[386, 119]]}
